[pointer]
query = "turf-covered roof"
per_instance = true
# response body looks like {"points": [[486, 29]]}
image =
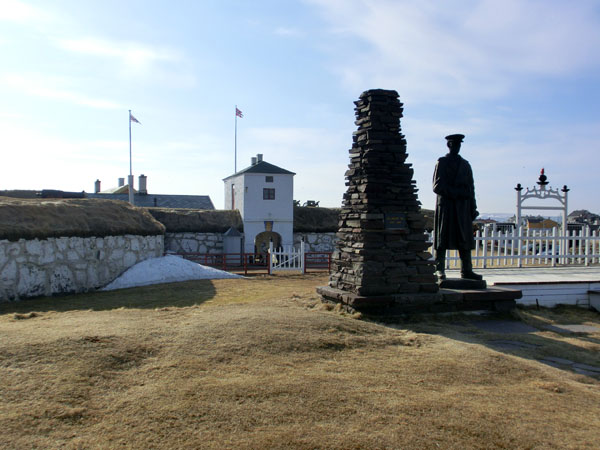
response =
{"points": [[162, 200], [44, 218], [322, 220], [207, 221]]}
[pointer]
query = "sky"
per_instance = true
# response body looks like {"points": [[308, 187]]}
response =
{"points": [[520, 78]]}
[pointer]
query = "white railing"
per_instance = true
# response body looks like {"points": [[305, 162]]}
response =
{"points": [[518, 248], [286, 258]]}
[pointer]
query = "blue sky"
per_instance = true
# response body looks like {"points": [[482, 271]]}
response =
{"points": [[520, 78]]}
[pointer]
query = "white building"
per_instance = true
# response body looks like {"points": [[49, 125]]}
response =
{"points": [[264, 195]]}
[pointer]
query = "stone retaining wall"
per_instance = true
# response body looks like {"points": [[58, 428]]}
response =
{"points": [[213, 242], [194, 242], [316, 242], [30, 268]]}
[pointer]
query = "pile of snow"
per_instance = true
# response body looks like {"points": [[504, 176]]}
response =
{"points": [[167, 269]]}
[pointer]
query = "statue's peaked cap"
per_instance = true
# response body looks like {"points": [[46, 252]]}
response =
{"points": [[455, 137]]}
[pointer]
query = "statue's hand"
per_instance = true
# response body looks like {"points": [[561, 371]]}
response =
{"points": [[474, 214]]}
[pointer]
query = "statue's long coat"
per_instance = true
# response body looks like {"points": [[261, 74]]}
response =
{"points": [[455, 206]]}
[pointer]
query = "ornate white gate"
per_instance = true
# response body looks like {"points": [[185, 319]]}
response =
{"points": [[286, 258], [542, 193]]}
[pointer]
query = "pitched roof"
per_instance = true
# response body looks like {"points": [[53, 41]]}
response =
{"points": [[119, 190], [262, 167], [162, 200]]}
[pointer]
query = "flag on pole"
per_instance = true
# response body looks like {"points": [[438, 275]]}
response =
{"points": [[238, 113], [133, 119]]}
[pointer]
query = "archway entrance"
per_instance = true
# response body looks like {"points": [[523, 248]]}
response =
{"points": [[262, 240]]}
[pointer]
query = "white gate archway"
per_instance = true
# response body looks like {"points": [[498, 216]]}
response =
{"points": [[542, 193]]}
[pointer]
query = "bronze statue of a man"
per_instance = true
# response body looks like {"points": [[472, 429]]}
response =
{"points": [[455, 209]]}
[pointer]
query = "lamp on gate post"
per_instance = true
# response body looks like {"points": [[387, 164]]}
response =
{"points": [[564, 190], [519, 188], [542, 180]]}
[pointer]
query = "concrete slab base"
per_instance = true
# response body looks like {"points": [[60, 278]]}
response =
{"points": [[445, 300]]}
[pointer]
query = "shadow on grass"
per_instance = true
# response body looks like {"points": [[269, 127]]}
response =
{"points": [[181, 294], [551, 349]]}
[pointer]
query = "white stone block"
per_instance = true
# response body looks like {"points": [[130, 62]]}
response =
{"points": [[62, 243], [311, 238], [92, 278], [129, 259], [99, 242], [116, 254], [72, 255], [62, 280], [15, 248], [189, 245], [9, 273], [32, 281], [135, 244], [33, 247], [48, 252]]}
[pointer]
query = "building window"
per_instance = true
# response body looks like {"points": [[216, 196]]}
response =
{"points": [[268, 179], [268, 194]]}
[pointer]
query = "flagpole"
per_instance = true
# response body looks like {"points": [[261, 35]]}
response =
{"points": [[235, 147], [130, 178]]}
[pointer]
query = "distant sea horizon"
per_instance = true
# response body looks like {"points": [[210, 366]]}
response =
{"points": [[503, 217]]}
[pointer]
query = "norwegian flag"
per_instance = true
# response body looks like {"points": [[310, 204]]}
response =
{"points": [[133, 119], [238, 112]]}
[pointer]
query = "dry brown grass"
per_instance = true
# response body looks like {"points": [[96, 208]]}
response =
{"points": [[44, 218], [260, 363]]}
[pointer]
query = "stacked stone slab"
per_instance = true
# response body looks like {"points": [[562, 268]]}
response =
{"points": [[382, 248]]}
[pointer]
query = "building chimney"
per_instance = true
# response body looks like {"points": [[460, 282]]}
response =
{"points": [[121, 182], [259, 157], [142, 185], [97, 187], [253, 161]]}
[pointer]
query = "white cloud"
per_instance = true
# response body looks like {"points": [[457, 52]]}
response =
{"points": [[45, 87], [288, 32], [20, 12], [133, 56], [440, 51]]}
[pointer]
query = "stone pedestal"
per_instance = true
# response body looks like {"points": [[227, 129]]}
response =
{"points": [[381, 250], [462, 283], [381, 263]]}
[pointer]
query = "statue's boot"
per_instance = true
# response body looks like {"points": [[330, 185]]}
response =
{"points": [[467, 268], [440, 265]]}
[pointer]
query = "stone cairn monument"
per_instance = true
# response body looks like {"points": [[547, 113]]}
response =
{"points": [[381, 262]]}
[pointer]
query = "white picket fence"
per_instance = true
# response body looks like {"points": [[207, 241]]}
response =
{"points": [[494, 248], [286, 258]]}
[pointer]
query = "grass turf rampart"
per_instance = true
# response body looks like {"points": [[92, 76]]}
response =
{"points": [[197, 221], [325, 220], [44, 218]]}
